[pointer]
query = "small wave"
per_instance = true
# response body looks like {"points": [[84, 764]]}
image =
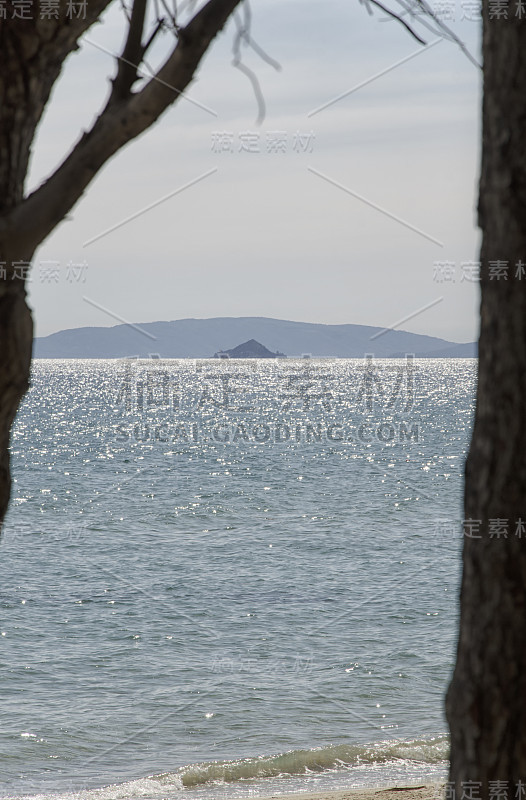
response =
{"points": [[303, 762], [331, 759]]}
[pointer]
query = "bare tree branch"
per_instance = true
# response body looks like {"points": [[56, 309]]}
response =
{"points": [[172, 16], [243, 36], [117, 124], [399, 19], [160, 25], [448, 33], [69, 29], [44, 44], [439, 28], [132, 53]]}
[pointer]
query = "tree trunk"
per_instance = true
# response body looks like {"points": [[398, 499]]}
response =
{"points": [[486, 702], [23, 93], [16, 337]]}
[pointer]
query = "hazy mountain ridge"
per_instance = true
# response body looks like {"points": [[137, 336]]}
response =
{"points": [[201, 338]]}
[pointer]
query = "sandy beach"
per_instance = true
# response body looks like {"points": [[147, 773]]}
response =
{"points": [[429, 792]]}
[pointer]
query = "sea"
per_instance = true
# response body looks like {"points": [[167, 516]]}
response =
{"points": [[226, 578]]}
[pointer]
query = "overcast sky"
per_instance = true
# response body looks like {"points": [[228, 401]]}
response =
{"points": [[280, 232]]}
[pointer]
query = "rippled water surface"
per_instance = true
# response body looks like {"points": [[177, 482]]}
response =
{"points": [[253, 564]]}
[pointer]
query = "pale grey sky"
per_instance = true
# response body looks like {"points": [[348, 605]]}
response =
{"points": [[279, 234]]}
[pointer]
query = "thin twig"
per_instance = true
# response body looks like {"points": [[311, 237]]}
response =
{"points": [[243, 37], [399, 19]]}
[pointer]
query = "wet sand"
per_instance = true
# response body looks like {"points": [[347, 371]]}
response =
{"points": [[421, 792]]}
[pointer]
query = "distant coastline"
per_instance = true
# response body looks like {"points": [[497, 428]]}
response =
{"points": [[202, 338]]}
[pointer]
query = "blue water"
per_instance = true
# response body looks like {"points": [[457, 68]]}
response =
{"points": [[254, 564]]}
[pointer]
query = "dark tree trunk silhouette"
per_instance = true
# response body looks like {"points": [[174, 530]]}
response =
{"points": [[32, 53], [486, 703]]}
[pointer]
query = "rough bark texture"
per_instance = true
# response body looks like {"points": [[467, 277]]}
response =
{"points": [[486, 702], [32, 53], [16, 339]]}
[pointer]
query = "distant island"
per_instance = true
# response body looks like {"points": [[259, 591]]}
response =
{"points": [[250, 349], [199, 338]]}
